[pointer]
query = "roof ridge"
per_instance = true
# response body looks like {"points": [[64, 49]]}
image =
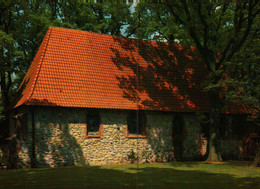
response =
{"points": [[109, 35], [84, 31], [40, 63]]}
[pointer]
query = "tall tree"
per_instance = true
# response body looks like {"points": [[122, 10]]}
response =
{"points": [[218, 29], [22, 27], [8, 53], [243, 82]]}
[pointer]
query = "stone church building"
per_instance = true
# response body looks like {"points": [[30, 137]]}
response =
{"points": [[94, 99]]}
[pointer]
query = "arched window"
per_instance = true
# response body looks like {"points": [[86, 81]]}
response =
{"points": [[93, 123], [136, 123]]}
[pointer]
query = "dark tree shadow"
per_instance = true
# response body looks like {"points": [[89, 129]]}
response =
{"points": [[49, 140], [54, 140], [160, 76], [63, 152]]}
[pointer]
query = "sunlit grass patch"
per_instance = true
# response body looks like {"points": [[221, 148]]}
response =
{"points": [[158, 175]]}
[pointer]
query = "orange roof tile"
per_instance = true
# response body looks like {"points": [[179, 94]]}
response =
{"points": [[83, 69]]}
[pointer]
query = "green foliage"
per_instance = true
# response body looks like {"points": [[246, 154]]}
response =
{"points": [[147, 154], [23, 25], [216, 28], [153, 21], [132, 156], [243, 78]]}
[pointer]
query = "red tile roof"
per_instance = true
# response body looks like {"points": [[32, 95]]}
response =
{"points": [[83, 69]]}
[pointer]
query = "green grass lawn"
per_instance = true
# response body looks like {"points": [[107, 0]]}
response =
{"points": [[159, 175]]}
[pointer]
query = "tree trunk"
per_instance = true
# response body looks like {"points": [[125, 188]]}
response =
{"points": [[256, 162], [5, 82], [5, 97], [214, 139]]}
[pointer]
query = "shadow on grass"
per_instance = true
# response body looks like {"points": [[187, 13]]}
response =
{"points": [[191, 175]]}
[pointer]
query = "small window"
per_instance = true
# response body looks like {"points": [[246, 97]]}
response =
{"points": [[136, 122], [93, 123]]}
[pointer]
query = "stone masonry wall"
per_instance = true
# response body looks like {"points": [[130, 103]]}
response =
{"points": [[60, 138], [25, 145]]}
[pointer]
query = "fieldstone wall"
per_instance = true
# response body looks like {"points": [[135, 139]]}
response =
{"points": [[60, 138], [160, 137], [24, 144]]}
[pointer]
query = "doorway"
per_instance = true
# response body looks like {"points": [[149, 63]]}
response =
{"points": [[177, 137]]}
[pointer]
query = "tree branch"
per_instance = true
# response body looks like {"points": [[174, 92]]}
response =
{"points": [[131, 33], [159, 18], [205, 25], [232, 41], [246, 33], [174, 14], [9, 82], [186, 9]]}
